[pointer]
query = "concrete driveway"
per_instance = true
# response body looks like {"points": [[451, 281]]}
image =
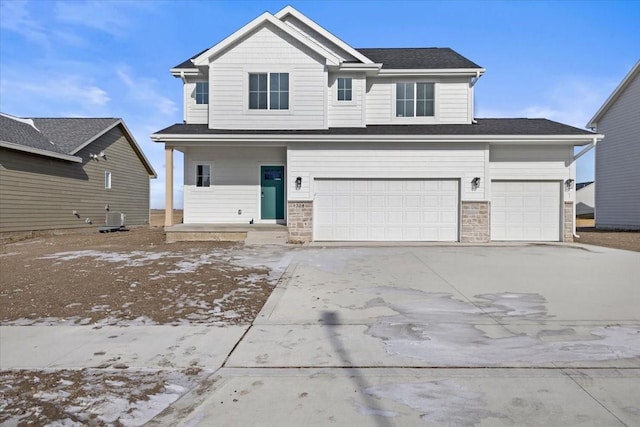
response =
{"points": [[437, 335]]}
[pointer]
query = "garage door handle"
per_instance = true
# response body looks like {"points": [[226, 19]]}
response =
{"points": [[262, 194]]}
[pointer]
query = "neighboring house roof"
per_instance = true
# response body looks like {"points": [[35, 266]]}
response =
{"points": [[61, 137], [593, 123], [483, 127], [581, 185], [417, 58]]}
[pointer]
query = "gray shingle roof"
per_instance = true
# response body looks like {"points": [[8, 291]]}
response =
{"points": [[483, 127], [57, 135], [399, 58], [417, 58], [69, 133], [21, 133]]}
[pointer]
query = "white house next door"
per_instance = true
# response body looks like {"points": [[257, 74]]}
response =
{"points": [[386, 210], [525, 210]]}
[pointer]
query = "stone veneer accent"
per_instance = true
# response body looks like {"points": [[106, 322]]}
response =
{"points": [[568, 222], [475, 226], [300, 221]]}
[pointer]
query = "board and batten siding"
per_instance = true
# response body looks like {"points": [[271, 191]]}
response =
{"points": [[234, 194], [194, 113], [379, 160], [453, 101], [532, 163], [267, 50], [41, 193], [347, 113], [617, 162]]}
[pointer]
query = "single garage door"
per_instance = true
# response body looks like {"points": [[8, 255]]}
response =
{"points": [[386, 210], [525, 210]]}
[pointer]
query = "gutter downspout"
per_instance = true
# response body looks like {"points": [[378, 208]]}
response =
{"points": [[582, 152]]}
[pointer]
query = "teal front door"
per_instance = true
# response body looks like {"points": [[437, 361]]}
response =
{"points": [[272, 192]]}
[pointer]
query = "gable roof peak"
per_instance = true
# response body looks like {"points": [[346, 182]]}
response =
{"points": [[593, 123], [266, 17]]}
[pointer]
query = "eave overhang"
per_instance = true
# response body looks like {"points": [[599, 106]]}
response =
{"points": [[470, 72], [38, 151], [283, 139]]}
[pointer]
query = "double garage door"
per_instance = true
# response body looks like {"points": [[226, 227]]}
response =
{"points": [[428, 210], [525, 210], [386, 210]]}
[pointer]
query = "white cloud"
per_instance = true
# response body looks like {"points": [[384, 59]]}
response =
{"points": [[571, 100], [144, 90], [62, 90], [15, 16], [111, 17]]}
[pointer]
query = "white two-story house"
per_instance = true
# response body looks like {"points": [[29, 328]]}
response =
{"points": [[286, 123]]}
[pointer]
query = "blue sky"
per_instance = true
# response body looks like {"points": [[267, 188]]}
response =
{"points": [[558, 60]]}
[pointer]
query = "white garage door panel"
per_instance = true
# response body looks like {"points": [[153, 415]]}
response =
{"points": [[528, 210], [386, 210]]}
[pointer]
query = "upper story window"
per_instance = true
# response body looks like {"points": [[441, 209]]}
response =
{"points": [[345, 92], [414, 99], [202, 92], [269, 89], [203, 175]]}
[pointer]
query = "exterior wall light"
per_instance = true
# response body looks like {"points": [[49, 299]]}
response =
{"points": [[568, 184], [475, 183], [298, 183]]}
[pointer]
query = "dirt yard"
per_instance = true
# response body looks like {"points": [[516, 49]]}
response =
{"points": [[127, 277], [83, 277]]}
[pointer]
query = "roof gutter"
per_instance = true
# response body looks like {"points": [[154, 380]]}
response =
{"points": [[283, 138], [471, 72], [588, 148]]}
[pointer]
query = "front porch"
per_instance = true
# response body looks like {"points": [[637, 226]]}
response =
{"points": [[265, 234]]}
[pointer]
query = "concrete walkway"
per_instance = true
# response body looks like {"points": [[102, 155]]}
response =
{"points": [[442, 335]]}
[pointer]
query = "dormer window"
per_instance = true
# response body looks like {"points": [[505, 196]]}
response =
{"points": [[415, 99], [202, 92], [269, 89]]}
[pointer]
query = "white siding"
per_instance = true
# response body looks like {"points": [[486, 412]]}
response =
{"points": [[541, 163], [379, 99], [453, 101], [235, 183], [320, 39], [268, 50], [371, 160], [346, 113], [617, 164], [194, 113]]}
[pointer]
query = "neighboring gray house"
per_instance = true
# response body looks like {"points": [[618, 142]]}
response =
{"points": [[617, 164], [585, 198], [286, 123], [68, 173]]}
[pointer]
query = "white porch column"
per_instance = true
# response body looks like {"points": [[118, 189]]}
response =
{"points": [[168, 192]]}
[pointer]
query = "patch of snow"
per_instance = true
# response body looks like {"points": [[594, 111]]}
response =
{"points": [[443, 402], [442, 331]]}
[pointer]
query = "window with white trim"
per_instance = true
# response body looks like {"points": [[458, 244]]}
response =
{"points": [[345, 89], [415, 99], [202, 92], [203, 175], [269, 91], [107, 180]]}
